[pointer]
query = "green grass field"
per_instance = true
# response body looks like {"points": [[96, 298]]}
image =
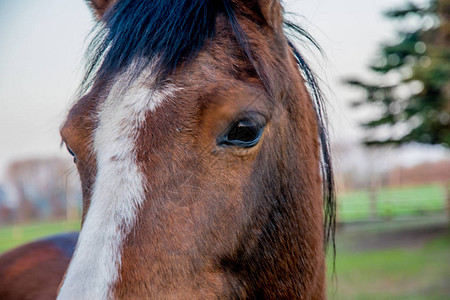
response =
{"points": [[406, 264], [13, 236], [392, 203]]}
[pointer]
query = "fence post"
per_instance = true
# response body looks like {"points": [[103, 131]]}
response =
{"points": [[373, 198], [447, 198]]}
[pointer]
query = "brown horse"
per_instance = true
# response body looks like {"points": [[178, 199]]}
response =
{"points": [[203, 157]]}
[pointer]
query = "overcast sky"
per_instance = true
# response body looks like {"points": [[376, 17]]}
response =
{"points": [[42, 44]]}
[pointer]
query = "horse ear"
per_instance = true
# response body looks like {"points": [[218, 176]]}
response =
{"points": [[272, 12], [99, 7]]}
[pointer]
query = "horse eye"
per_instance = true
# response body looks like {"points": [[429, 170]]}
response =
{"points": [[71, 153], [244, 133]]}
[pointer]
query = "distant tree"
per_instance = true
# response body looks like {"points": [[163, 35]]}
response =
{"points": [[412, 88]]}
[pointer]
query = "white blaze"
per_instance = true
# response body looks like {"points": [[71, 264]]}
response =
{"points": [[117, 195]]}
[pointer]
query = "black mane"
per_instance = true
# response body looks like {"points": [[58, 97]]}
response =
{"points": [[135, 31], [138, 30]]}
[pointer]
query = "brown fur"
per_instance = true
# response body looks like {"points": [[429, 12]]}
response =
{"points": [[222, 222], [200, 241], [99, 7], [77, 134], [34, 271]]}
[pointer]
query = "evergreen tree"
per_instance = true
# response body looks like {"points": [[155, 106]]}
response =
{"points": [[413, 86]]}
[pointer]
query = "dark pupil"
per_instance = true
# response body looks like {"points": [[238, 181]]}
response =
{"points": [[244, 131]]}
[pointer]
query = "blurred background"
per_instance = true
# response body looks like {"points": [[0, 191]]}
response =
{"points": [[385, 72]]}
